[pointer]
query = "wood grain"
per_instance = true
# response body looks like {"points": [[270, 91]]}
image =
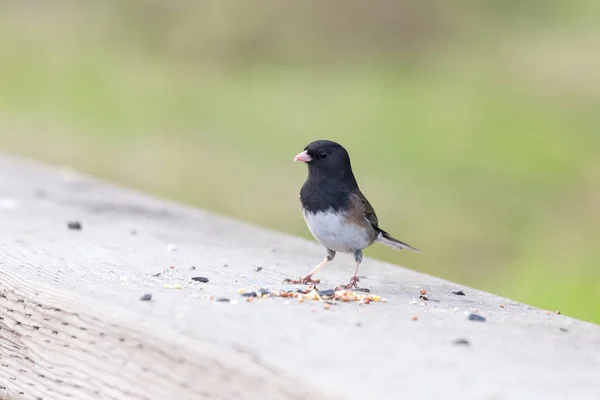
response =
{"points": [[72, 324]]}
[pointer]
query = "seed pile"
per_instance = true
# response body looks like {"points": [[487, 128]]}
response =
{"points": [[312, 293]]}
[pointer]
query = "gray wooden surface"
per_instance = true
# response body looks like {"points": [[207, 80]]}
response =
{"points": [[72, 324]]}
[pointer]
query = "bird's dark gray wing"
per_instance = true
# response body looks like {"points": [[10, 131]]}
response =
{"points": [[367, 209]]}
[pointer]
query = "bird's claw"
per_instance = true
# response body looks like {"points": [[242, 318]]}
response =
{"points": [[352, 285], [307, 280]]}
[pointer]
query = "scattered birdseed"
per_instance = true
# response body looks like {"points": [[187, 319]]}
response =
{"points": [[564, 330], [461, 342], [312, 293], [200, 279], [258, 269], [74, 225], [423, 292], [146, 297], [501, 305], [326, 306], [414, 317], [476, 317], [458, 293], [558, 312], [173, 286], [326, 293], [223, 299], [133, 232], [300, 299], [160, 273], [193, 268]]}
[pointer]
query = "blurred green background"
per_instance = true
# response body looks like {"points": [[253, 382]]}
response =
{"points": [[474, 126]]}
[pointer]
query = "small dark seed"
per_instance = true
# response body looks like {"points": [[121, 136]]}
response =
{"points": [[258, 269], [264, 291], [146, 297], [326, 292], [133, 232], [74, 225], [462, 341], [249, 294], [564, 330], [200, 279], [223, 299], [193, 268], [458, 293], [363, 289], [475, 317]]}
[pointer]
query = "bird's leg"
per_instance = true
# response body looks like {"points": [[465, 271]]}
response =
{"points": [[308, 278], [354, 280]]}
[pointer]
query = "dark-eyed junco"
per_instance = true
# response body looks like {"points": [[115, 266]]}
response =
{"points": [[337, 214]]}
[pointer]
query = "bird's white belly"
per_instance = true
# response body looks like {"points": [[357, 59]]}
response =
{"points": [[333, 232]]}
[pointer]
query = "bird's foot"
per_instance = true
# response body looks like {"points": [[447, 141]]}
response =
{"points": [[307, 280], [352, 285]]}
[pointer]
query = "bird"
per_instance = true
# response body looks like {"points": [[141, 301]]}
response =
{"points": [[337, 213]]}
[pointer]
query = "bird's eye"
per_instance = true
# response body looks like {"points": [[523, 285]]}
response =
{"points": [[322, 156]]}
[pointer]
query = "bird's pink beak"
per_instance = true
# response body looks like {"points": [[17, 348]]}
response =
{"points": [[304, 157]]}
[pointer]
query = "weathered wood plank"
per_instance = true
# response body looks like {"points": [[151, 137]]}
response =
{"points": [[72, 327]]}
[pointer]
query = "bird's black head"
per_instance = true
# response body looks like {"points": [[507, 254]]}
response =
{"points": [[327, 157]]}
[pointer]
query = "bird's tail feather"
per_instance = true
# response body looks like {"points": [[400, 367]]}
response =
{"points": [[386, 239]]}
